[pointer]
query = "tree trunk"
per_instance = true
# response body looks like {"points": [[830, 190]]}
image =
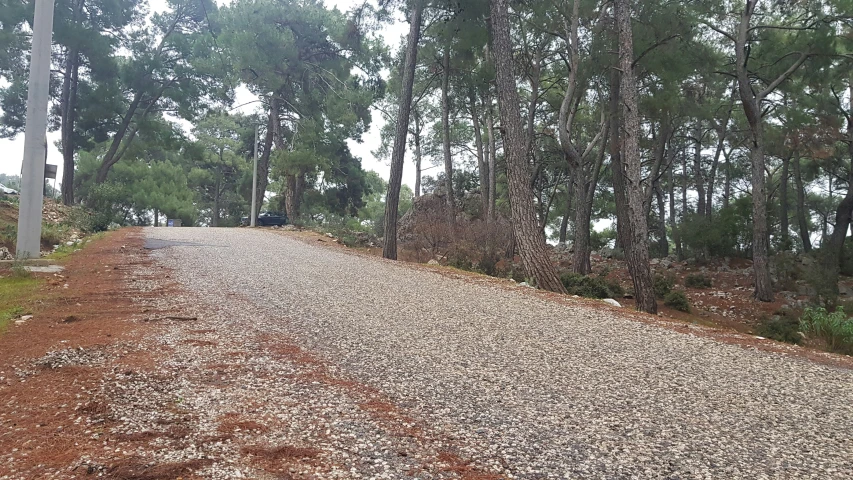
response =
{"points": [[637, 251], [616, 161], [68, 106], [698, 176], [673, 220], [564, 224], [445, 137], [801, 207], [482, 160], [214, 216], [264, 158], [784, 227], [534, 255], [835, 248], [392, 198], [663, 243], [418, 154], [156, 218], [493, 160]]}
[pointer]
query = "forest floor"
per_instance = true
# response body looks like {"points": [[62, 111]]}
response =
{"points": [[239, 353]]}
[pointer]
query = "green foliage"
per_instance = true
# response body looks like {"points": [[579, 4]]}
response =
{"points": [[54, 234], [697, 280], [602, 239], [590, 286], [663, 284], [783, 326], [833, 329], [677, 300], [728, 233]]}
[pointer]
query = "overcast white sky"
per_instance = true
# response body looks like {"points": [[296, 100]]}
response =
{"points": [[12, 150]]}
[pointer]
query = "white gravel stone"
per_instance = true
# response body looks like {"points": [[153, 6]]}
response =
{"points": [[519, 385]]}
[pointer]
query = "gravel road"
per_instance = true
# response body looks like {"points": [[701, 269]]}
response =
{"points": [[461, 371]]}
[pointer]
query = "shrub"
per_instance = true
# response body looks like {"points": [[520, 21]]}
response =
{"points": [[697, 280], [678, 301], [663, 285], [590, 287], [460, 261], [53, 234], [782, 327], [834, 329]]}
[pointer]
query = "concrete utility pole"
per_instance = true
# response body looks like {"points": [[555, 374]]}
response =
{"points": [[254, 214], [32, 181]]}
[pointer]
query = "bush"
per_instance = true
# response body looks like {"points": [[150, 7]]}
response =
{"points": [[663, 285], [678, 301], [697, 280], [782, 327], [53, 234], [834, 329], [590, 287]]}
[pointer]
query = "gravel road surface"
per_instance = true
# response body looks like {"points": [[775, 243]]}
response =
{"points": [[417, 375]]}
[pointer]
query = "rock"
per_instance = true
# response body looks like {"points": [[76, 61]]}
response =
{"points": [[844, 290], [433, 261], [612, 302], [806, 290], [5, 254], [330, 235], [525, 284], [68, 244]]}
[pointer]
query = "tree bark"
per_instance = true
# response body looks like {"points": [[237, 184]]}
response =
{"points": [[493, 160], [616, 161], [445, 137], [663, 243], [803, 225], [534, 255], [68, 106], [418, 154], [637, 251], [564, 224], [482, 154], [698, 177], [673, 221], [392, 198], [784, 227], [264, 158]]}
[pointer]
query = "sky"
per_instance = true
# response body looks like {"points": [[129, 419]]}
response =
{"points": [[12, 150]]}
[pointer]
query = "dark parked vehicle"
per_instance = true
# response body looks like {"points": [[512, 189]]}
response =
{"points": [[266, 219]]}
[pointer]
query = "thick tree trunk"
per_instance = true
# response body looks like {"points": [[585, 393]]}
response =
{"points": [[803, 225], [445, 137], [534, 255], [637, 251], [392, 198], [156, 218]]}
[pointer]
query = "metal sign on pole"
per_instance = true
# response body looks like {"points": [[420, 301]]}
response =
{"points": [[254, 214], [32, 181]]}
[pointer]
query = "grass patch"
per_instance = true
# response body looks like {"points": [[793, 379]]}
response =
{"points": [[834, 330], [15, 292], [65, 250]]}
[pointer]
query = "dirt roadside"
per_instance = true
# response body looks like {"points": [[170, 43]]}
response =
{"points": [[88, 388]]}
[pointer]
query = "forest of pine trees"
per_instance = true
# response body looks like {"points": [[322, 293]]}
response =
{"points": [[699, 129]]}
